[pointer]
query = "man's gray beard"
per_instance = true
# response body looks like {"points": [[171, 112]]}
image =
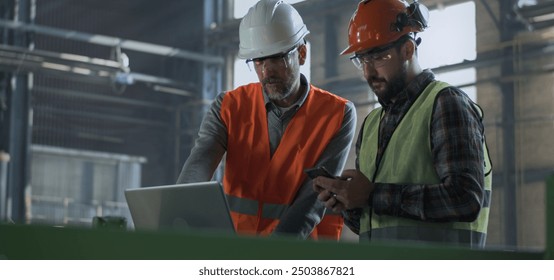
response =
{"points": [[279, 97]]}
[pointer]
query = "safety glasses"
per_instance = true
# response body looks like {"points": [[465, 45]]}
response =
{"points": [[376, 57], [280, 59]]}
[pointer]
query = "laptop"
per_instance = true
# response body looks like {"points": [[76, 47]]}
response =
{"points": [[191, 207]]}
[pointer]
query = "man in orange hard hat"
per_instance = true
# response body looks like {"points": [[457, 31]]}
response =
{"points": [[422, 170]]}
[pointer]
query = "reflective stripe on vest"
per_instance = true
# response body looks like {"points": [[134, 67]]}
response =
{"points": [[260, 187], [329, 228], [411, 161], [250, 207]]}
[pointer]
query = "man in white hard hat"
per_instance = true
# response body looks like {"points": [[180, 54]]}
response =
{"points": [[272, 131]]}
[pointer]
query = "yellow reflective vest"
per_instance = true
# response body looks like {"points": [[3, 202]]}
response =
{"points": [[408, 160]]}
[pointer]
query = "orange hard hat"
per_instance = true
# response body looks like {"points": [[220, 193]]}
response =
{"points": [[379, 22]]}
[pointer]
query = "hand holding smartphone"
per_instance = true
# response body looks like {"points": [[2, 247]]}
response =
{"points": [[319, 171]]}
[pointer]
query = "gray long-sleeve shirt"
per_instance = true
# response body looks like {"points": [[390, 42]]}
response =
{"points": [[306, 211]]}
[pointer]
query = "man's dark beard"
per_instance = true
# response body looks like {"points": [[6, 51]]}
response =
{"points": [[395, 86]]}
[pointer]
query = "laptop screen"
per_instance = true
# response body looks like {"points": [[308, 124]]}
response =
{"points": [[193, 206]]}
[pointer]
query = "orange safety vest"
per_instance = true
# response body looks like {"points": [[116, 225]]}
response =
{"points": [[259, 187]]}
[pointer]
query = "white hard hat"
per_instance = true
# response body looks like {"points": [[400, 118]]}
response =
{"points": [[270, 27]]}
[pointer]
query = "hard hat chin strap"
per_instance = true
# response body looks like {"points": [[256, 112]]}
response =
{"points": [[413, 36], [417, 41]]}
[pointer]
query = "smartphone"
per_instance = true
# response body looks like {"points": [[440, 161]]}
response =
{"points": [[319, 171]]}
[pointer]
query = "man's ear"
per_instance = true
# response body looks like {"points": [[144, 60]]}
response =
{"points": [[409, 50], [302, 53]]}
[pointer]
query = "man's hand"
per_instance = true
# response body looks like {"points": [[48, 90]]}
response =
{"points": [[349, 192]]}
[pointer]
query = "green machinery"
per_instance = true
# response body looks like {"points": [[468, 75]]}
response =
{"points": [[46, 242]]}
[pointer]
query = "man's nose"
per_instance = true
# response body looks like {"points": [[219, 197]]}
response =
{"points": [[369, 70]]}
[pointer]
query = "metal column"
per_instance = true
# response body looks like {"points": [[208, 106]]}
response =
{"points": [[5, 12], [212, 74], [508, 127], [19, 121], [4, 158]]}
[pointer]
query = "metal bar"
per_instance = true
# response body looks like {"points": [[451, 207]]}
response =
{"points": [[99, 97], [21, 53], [99, 116], [5, 8], [17, 59], [145, 78], [112, 41], [549, 253], [508, 130], [539, 9], [21, 60], [86, 154], [542, 24], [4, 159], [530, 176], [212, 75], [490, 59], [508, 79], [491, 14], [20, 125]]}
